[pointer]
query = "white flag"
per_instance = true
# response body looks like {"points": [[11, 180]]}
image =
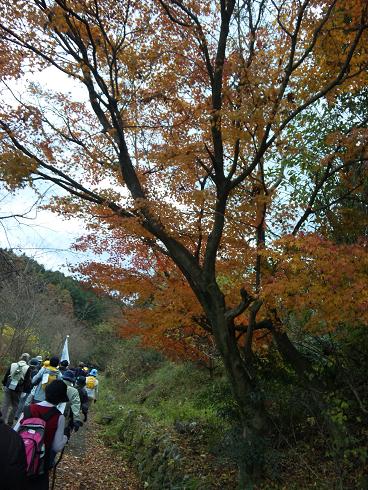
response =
{"points": [[65, 352]]}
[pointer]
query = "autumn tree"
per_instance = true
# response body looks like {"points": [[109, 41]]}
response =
{"points": [[158, 304], [181, 148]]}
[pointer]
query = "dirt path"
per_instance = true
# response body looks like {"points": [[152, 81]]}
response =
{"points": [[88, 465]]}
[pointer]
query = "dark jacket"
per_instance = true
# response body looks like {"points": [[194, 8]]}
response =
{"points": [[79, 372], [32, 371], [13, 459], [83, 398]]}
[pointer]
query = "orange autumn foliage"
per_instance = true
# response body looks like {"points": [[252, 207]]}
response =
{"points": [[323, 285], [160, 307], [184, 157]]}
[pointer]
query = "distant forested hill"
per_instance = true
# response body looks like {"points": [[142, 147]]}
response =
{"points": [[38, 308]]}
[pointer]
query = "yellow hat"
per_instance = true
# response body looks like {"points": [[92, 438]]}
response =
{"points": [[46, 364]]}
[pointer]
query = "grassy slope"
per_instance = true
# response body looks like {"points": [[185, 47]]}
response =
{"points": [[179, 401], [172, 396]]}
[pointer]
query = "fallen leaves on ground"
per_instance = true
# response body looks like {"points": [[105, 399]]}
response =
{"points": [[89, 465]]}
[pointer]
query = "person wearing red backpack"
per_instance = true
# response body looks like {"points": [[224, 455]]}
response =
{"points": [[51, 422]]}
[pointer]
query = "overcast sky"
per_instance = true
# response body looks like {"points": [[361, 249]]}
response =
{"points": [[41, 234]]}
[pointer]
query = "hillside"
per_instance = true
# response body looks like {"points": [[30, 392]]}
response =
{"points": [[175, 423]]}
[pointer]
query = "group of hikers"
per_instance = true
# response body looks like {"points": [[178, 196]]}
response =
{"points": [[44, 402]]}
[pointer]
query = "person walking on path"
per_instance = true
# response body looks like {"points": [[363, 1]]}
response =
{"points": [[39, 361], [44, 377], [92, 386], [16, 380], [63, 366], [13, 459], [54, 438], [73, 406], [33, 370], [79, 371], [80, 384]]}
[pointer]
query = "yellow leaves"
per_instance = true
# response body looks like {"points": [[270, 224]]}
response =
{"points": [[7, 331], [339, 35], [58, 19], [16, 168]]}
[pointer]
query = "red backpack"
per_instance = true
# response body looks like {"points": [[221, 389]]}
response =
{"points": [[32, 431]]}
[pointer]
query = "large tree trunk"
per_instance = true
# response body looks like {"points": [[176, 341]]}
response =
{"points": [[252, 415]]}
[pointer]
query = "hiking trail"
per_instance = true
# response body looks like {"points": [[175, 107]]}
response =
{"points": [[89, 465]]}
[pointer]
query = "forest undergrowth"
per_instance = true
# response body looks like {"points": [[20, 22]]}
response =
{"points": [[198, 414]]}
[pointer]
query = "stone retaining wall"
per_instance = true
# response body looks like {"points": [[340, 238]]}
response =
{"points": [[155, 456]]}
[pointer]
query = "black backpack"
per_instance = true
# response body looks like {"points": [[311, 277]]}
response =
{"points": [[13, 459]]}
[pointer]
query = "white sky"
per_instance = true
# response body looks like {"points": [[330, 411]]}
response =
{"points": [[42, 234]]}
